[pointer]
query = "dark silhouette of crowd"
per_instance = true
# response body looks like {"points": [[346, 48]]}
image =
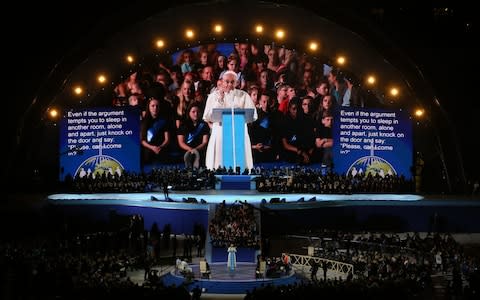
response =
{"points": [[80, 260], [156, 180], [277, 179], [308, 180], [387, 265]]}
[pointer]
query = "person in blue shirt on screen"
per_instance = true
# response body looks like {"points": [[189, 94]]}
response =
{"points": [[155, 129], [193, 137]]}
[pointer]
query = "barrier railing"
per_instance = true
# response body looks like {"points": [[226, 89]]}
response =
{"points": [[303, 261]]}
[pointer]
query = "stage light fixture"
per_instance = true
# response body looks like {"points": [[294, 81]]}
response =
{"points": [[160, 43], [313, 46], [371, 79], [218, 28], [189, 34], [280, 34], [101, 78], [78, 90], [341, 60]]}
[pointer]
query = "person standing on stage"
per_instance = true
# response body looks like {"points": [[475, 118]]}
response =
{"points": [[232, 257], [314, 270], [226, 96], [165, 189]]}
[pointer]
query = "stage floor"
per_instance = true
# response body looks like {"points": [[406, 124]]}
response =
{"points": [[229, 196], [219, 271], [225, 281]]}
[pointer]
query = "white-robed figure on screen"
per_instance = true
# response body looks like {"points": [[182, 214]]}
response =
{"points": [[232, 257], [226, 96]]}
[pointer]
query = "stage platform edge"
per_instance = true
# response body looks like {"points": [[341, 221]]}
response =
{"points": [[235, 182]]}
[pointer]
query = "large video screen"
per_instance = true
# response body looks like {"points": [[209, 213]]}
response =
{"points": [[337, 124], [98, 140], [372, 141]]}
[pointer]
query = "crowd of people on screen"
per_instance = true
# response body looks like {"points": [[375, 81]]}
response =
{"points": [[295, 97]]}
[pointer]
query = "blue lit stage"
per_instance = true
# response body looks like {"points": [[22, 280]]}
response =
{"points": [[224, 281], [184, 209]]}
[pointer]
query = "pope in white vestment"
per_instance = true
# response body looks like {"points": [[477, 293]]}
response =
{"points": [[232, 257], [226, 96]]}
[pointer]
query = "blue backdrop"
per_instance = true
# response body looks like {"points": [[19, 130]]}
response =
{"points": [[99, 140], [372, 141]]}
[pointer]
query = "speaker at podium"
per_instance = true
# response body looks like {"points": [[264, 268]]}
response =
{"points": [[236, 150]]}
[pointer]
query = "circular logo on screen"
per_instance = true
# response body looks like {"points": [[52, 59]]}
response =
{"points": [[98, 165], [371, 165]]}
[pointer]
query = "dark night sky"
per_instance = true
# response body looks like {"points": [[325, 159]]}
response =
{"points": [[443, 48]]}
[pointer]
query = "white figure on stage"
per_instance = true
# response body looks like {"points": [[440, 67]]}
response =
{"points": [[184, 267], [226, 96], [232, 257]]}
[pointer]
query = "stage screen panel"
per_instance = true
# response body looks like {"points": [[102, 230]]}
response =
{"points": [[372, 141], [99, 140]]}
